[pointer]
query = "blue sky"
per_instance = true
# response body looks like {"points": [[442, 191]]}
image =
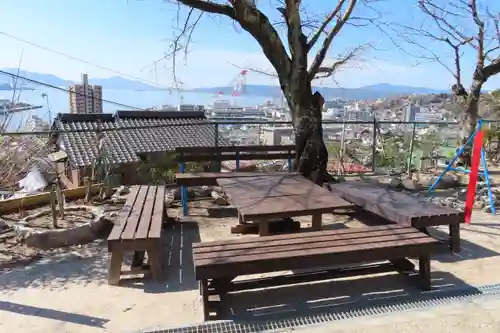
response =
{"points": [[128, 36]]}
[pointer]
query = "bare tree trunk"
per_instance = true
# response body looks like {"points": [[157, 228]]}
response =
{"points": [[312, 155]]}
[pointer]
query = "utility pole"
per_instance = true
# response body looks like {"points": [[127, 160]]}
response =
{"points": [[85, 83]]}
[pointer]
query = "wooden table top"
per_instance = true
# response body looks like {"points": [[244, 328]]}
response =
{"points": [[279, 196]]}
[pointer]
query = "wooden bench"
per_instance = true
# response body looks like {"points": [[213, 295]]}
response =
{"points": [[223, 153], [210, 178], [138, 229], [401, 208], [218, 263]]}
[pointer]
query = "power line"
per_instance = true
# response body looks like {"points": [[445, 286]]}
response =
{"points": [[67, 90], [79, 60]]}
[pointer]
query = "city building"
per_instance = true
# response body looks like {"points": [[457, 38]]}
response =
{"points": [[410, 112], [276, 135], [78, 97], [36, 124]]}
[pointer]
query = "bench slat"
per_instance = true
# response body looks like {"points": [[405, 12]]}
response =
{"points": [[158, 212], [210, 178], [338, 233], [133, 220], [395, 206], [331, 250], [304, 242], [317, 246], [124, 214], [146, 215]]}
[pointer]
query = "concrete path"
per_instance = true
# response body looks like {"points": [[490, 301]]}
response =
{"points": [[465, 317]]}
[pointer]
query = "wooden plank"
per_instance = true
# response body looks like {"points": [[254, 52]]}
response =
{"points": [[190, 175], [322, 257], [395, 206], [320, 244], [309, 237], [146, 215], [135, 215], [289, 206], [226, 149], [347, 232], [158, 214], [235, 156], [124, 214], [210, 178], [265, 186]]}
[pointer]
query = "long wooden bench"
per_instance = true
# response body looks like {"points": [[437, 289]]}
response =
{"points": [[210, 178], [138, 229], [217, 264], [224, 153], [401, 208]]}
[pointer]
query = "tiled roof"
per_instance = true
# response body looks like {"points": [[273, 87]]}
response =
{"points": [[131, 133]]}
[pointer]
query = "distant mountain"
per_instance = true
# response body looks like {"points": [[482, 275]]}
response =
{"points": [[115, 82], [120, 83], [45, 78], [381, 90]]}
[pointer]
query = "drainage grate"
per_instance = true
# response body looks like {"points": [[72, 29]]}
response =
{"points": [[428, 300]]}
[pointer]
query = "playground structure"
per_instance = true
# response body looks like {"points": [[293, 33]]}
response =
{"points": [[478, 158]]}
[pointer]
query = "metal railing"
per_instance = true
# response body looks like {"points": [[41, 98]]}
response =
{"points": [[365, 145]]}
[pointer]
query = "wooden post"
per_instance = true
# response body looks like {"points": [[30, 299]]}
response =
{"points": [[88, 184], [60, 198], [53, 207]]}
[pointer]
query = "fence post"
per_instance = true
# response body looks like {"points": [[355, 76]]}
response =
{"points": [[184, 192], [410, 157], [218, 159], [374, 144]]}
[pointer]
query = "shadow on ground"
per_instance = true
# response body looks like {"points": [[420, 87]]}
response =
{"points": [[77, 267], [178, 268], [469, 249], [92, 266], [63, 316], [332, 296]]}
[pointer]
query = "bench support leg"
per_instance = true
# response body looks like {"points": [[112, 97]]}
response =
{"points": [[316, 222], [115, 265], [154, 256], [454, 237], [264, 228], [424, 271], [204, 297]]}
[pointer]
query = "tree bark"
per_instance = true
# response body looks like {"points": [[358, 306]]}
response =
{"points": [[312, 156]]}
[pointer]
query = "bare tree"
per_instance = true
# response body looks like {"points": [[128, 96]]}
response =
{"points": [[307, 39], [464, 27]]}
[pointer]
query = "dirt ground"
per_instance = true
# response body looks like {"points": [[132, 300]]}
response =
{"points": [[12, 251], [68, 291]]}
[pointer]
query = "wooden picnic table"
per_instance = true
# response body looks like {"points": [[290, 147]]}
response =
{"points": [[262, 198]]}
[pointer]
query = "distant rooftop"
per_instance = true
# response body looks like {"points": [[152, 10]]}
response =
{"points": [[127, 134]]}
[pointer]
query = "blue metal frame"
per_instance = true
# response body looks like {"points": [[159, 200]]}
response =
{"points": [[483, 162], [184, 193]]}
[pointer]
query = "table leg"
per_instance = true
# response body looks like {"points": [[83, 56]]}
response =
{"points": [[316, 222], [454, 237]]}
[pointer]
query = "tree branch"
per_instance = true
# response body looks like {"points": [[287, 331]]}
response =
{"points": [[325, 23], [320, 56], [209, 7]]}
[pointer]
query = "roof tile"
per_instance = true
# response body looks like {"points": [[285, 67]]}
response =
{"points": [[136, 132]]}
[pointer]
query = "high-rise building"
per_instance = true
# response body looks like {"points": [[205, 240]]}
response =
{"points": [[85, 94]]}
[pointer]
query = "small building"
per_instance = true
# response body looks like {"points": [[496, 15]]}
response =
{"points": [[126, 139]]}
